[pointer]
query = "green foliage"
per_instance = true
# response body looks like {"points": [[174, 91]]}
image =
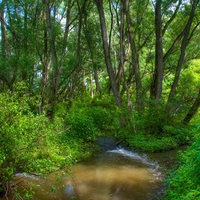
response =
{"points": [[105, 113], [26, 139], [81, 124], [146, 142], [31, 142], [152, 130], [182, 134], [184, 182], [153, 119], [187, 91], [60, 110], [87, 118], [171, 137], [190, 78], [104, 101], [103, 118]]}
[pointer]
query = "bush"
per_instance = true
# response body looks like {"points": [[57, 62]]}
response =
{"points": [[181, 133], [31, 142], [105, 101], [103, 119], [28, 142], [60, 110], [184, 182], [149, 143], [87, 118], [81, 124]]}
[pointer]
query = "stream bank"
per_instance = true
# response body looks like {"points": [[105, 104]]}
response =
{"points": [[113, 173]]}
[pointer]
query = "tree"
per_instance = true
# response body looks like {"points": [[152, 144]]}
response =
{"points": [[134, 57], [193, 110], [184, 44], [108, 62], [156, 88], [89, 28], [56, 48]]}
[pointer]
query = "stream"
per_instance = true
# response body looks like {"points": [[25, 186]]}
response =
{"points": [[115, 173]]}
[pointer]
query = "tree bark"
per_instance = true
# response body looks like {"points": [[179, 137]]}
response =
{"points": [[92, 55], [156, 87], [5, 75], [110, 70], [182, 55], [134, 56], [193, 110], [55, 74]]}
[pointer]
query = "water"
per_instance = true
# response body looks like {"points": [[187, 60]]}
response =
{"points": [[113, 174]]}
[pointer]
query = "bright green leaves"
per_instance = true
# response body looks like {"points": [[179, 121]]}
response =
{"points": [[81, 123], [87, 118], [184, 182], [31, 142], [190, 80]]}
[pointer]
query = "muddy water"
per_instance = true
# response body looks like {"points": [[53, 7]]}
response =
{"points": [[114, 174]]}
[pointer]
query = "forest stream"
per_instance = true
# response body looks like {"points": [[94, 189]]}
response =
{"points": [[113, 174]]}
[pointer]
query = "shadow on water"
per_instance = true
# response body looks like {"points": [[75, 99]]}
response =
{"points": [[113, 174]]}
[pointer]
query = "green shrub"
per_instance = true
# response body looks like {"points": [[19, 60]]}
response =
{"points": [[102, 117], [31, 142], [28, 141], [151, 143], [184, 182], [104, 101], [81, 124], [181, 133], [60, 110], [87, 118]]}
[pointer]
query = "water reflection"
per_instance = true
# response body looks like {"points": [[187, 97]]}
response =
{"points": [[112, 175]]}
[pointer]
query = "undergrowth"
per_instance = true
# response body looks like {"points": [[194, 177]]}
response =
{"points": [[183, 183]]}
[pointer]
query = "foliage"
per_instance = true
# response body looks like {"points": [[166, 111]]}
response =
{"points": [[189, 85], [102, 118], [181, 133], [104, 113], [31, 142], [86, 118], [170, 138], [81, 124], [104, 101], [146, 142], [153, 119], [60, 110], [184, 182], [152, 130], [60, 57]]}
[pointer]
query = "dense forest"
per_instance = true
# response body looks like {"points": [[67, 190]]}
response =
{"points": [[75, 69]]}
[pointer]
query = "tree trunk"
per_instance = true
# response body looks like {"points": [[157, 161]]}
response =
{"points": [[110, 70], [156, 87], [89, 43], [55, 71], [182, 55], [135, 59], [193, 110], [5, 75]]}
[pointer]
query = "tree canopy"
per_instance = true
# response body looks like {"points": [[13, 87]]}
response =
{"points": [[62, 49]]}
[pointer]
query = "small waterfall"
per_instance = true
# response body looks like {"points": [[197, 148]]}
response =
{"points": [[142, 158], [153, 165]]}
